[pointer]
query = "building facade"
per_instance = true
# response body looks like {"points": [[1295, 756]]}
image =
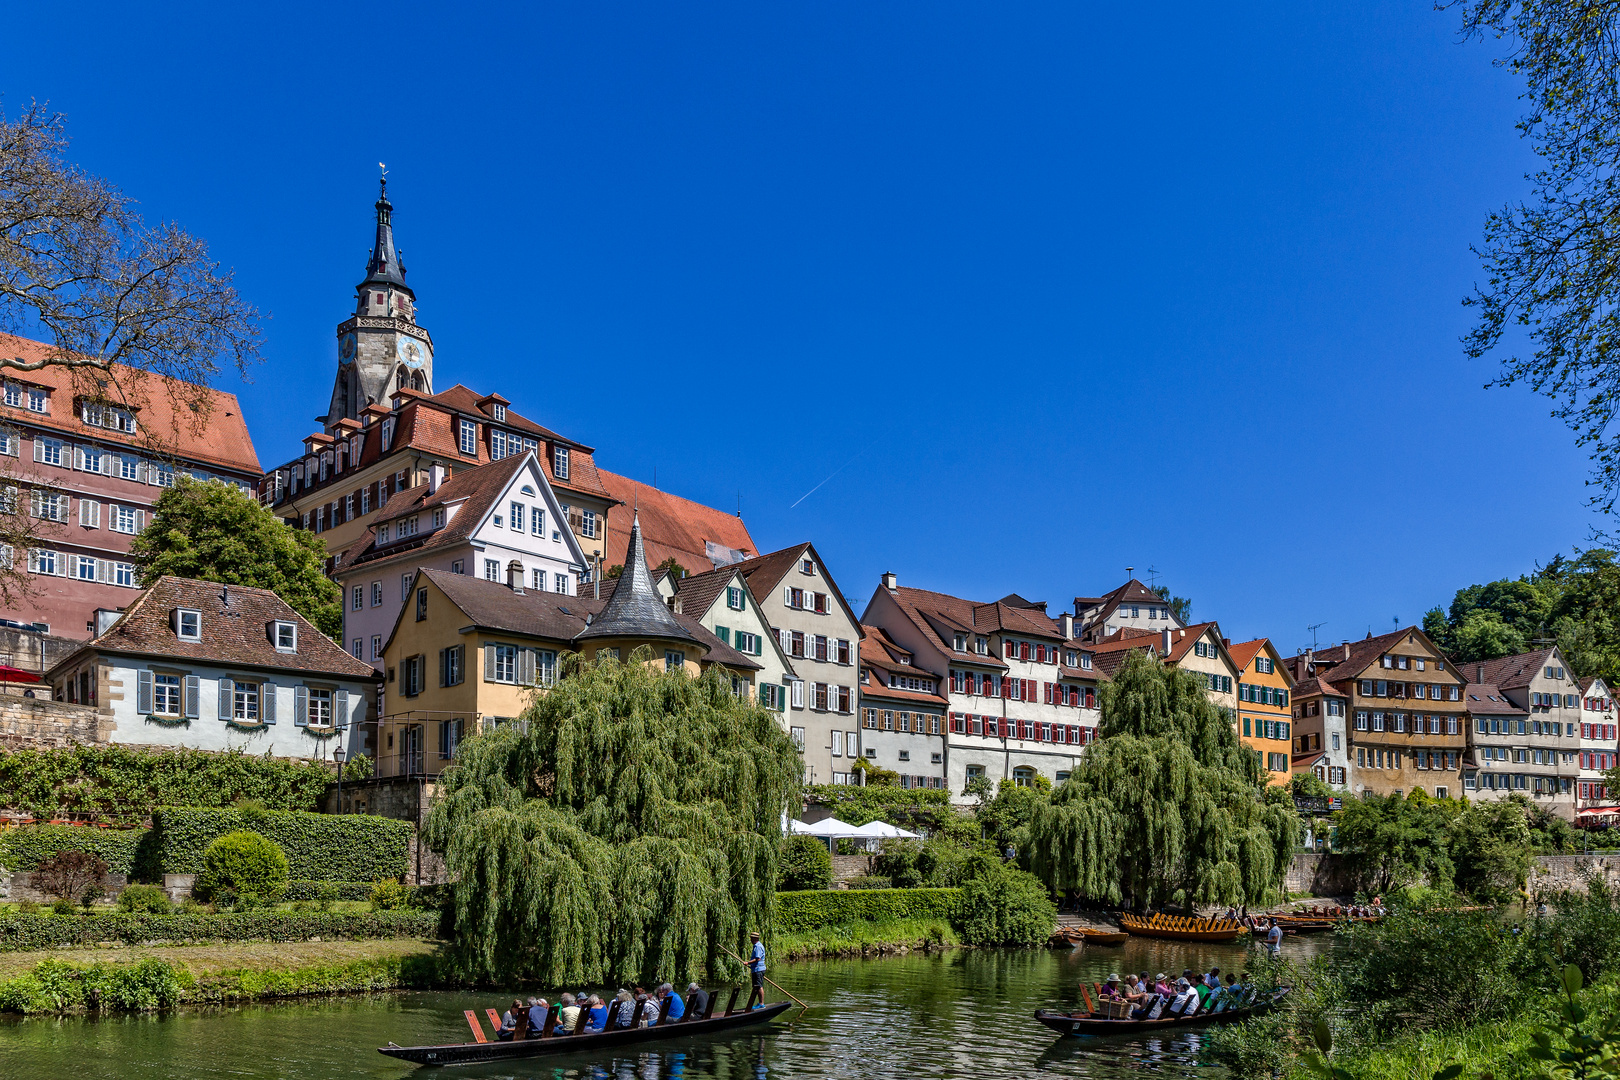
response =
{"points": [[1541, 684], [722, 603], [220, 667], [1198, 648], [1265, 714], [84, 460], [1320, 741], [1504, 753], [904, 725], [1600, 750], [1132, 606]]}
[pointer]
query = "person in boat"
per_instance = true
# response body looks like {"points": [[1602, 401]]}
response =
{"points": [[537, 1016], [756, 968], [568, 1016], [1185, 1001], [697, 1001], [649, 1008], [627, 1009], [1213, 979], [677, 1007], [1274, 938], [592, 1014], [1162, 987], [1141, 990], [514, 1022], [1110, 989]]}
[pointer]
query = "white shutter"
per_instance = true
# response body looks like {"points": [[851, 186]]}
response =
{"points": [[227, 690], [340, 707], [489, 663], [78, 458], [267, 702], [787, 597], [39, 448], [90, 513], [301, 706], [526, 667], [140, 520], [143, 692], [104, 570]]}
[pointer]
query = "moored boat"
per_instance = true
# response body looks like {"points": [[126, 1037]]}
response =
{"points": [[484, 1050], [1181, 928], [1085, 935], [1093, 1024]]}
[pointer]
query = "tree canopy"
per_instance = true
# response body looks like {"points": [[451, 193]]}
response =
{"points": [[1166, 806], [215, 532], [627, 827]]}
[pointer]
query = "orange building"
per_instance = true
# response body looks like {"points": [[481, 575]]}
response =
{"points": [[1264, 717]]}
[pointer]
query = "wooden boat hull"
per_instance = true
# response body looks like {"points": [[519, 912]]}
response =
{"points": [[467, 1053], [1104, 937], [1143, 928], [1067, 1024]]}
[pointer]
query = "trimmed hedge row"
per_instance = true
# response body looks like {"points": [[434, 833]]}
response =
{"points": [[799, 912], [26, 846], [311, 890], [23, 933], [319, 847]]}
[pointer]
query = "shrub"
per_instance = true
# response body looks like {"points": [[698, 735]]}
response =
{"points": [[26, 846], [869, 881], [29, 907], [805, 864], [62, 906], [388, 895], [319, 847], [1004, 906], [26, 933], [801, 912], [246, 862], [69, 874], [910, 864], [147, 898]]}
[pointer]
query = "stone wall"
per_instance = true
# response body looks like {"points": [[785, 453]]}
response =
{"points": [[403, 799], [40, 723], [1559, 873], [18, 886], [1318, 874], [31, 650]]}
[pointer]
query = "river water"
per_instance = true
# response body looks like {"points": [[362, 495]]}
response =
{"points": [[962, 1013]]}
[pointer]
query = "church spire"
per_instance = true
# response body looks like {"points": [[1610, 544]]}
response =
{"points": [[385, 266]]}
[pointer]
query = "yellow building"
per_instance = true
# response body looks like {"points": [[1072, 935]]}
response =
{"points": [[467, 654], [1265, 717]]}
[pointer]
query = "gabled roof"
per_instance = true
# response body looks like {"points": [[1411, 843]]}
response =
{"points": [[1363, 654], [672, 527], [940, 615], [1133, 591], [1315, 686], [165, 425], [880, 654], [765, 573], [236, 631], [1477, 699], [635, 609], [1512, 672], [1244, 652], [1111, 651]]}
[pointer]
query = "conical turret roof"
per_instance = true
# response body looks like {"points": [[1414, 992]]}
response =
{"points": [[385, 266], [635, 609]]}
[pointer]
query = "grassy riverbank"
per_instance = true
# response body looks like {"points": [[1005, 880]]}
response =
{"points": [[153, 977], [864, 938]]}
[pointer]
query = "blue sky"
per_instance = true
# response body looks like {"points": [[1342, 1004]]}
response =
{"points": [[1053, 290]]}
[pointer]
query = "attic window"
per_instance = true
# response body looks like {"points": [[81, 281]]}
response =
{"points": [[960, 644], [498, 411], [285, 635], [559, 462], [527, 490], [1085, 661], [438, 518], [187, 624], [807, 566]]}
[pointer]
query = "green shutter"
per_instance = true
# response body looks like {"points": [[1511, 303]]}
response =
{"points": [[1245, 725], [724, 634]]}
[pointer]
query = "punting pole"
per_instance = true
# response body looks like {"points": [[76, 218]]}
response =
{"points": [[768, 979]]}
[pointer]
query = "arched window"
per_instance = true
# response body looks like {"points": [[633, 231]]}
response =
{"points": [[416, 381], [1024, 776]]}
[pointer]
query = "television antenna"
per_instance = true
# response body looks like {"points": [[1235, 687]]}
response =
{"points": [[1313, 629], [1153, 578]]}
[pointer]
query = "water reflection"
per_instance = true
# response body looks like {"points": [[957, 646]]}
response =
{"points": [[955, 1014]]}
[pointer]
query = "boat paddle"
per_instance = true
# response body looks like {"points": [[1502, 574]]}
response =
{"points": [[768, 979]]}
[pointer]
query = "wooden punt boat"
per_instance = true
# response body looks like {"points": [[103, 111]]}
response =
{"points": [[1093, 1025], [482, 1050], [1180, 928], [1085, 935]]}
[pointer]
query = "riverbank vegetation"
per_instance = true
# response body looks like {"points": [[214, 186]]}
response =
{"points": [[1431, 988]]}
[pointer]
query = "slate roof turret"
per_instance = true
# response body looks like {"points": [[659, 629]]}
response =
{"points": [[635, 608]]}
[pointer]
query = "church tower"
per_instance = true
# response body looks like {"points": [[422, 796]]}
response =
{"points": [[380, 348]]}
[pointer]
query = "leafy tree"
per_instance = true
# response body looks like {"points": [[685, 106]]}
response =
{"points": [[1307, 785], [1551, 260], [1002, 905], [1005, 819], [1181, 606], [68, 875], [1165, 805], [805, 864], [874, 775], [628, 828], [215, 532], [1490, 848], [676, 570], [1390, 841]]}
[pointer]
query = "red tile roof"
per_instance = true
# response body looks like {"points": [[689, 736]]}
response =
{"points": [[165, 423], [1244, 652], [765, 573], [671, 527], [1477, 699], [880, 654], [1510, 672], [480, 487]]}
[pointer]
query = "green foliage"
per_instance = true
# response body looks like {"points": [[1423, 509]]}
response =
{"points": [[28, 933], [911, 864], [1180, 605], [215, 532], [1005, 819], [1585, 931], [874, 776], [628, 791], [125, 784], [71, 875], [359, 767], [869, 881], [319, 847], [800, 912], [389, 895], [1307, 785], [26, 846], [245, 863], [805, 864], [147, 899], [1165, 804], [329, 891], [1001, 905]]}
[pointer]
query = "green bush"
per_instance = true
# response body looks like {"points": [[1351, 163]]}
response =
{"points": [[869, 881], [126, 784], [26, 846], [25, 933], [805, 864], [319, 847], [328, 891], [1004, 906], [801, 912], [388, 895], [144, 898], [911, 864], [245, 863]]}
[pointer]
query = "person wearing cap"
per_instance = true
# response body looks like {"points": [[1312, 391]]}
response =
{"points": [[756, 968], [697, 1001], [1110, 989], [1162, 987], [1185, 1002]]}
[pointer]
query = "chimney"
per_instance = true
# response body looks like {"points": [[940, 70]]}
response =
{"points": [[675, 603], [1227, 642], [891, 582], [1479, 673], [1066, 626], [514, 576], [1346, 651], [435, 477], [1165, 649]]}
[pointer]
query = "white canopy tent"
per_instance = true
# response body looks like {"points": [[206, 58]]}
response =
{"points": [[827, 828], [882, 830]]}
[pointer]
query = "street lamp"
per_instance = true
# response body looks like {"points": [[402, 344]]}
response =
{"points": [[338, 755]]}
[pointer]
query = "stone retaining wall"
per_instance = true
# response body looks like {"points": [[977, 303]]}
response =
{"points": [[18, 886], [1318, 874], [38, 723], [1559, 873]]}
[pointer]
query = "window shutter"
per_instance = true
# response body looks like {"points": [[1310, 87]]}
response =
{"points": [[724, 634], [489, 663], [143, 692], [301, 706], [39, 455], [192, 687], [444, 667], [526, 658], [340, 708], [227, 689], [267, 702]]}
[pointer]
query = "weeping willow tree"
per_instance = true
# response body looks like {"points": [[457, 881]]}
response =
{"points": [[627, 828], [1167, 806]]}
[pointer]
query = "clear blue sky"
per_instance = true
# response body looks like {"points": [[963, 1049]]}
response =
{"points": [[1057, 290]]}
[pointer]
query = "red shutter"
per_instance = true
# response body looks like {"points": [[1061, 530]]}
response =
{"points": [[1008, 649], [1023, 650]]}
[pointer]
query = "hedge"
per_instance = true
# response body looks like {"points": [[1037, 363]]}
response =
{"points": [[319, 847], [311, 890], [25, 933], [126, 784], [26, 846], [798, 912]]}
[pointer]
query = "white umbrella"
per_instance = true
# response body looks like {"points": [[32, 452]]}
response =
{"points": [[827, 829], [882, 830]]}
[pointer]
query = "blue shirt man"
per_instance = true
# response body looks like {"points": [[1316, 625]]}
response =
{"points": [[756, 965], [677, 1007]]}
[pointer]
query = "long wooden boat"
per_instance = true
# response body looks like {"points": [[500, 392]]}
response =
{"points": [[1085, 935], [1180, 928], [466, 1053], [1091, 1024]]}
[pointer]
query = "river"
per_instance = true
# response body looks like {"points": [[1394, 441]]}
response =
{"points": [[959, 1013]]}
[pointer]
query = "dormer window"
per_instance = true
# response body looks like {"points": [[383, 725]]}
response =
{"points": [[1085, 661], [438, 518], [187, 624], [285, 635], [559, 462], [406, 527], [1070, 657], [387, 433], [960, 643], [498, 412], [981, 645], [468, 443]]}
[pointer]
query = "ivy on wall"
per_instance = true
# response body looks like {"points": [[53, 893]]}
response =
{"points": [[25, 847], [319, 847]]}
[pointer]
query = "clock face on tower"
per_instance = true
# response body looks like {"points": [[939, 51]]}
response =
{"points": [[346, 346], [410, 351]]}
